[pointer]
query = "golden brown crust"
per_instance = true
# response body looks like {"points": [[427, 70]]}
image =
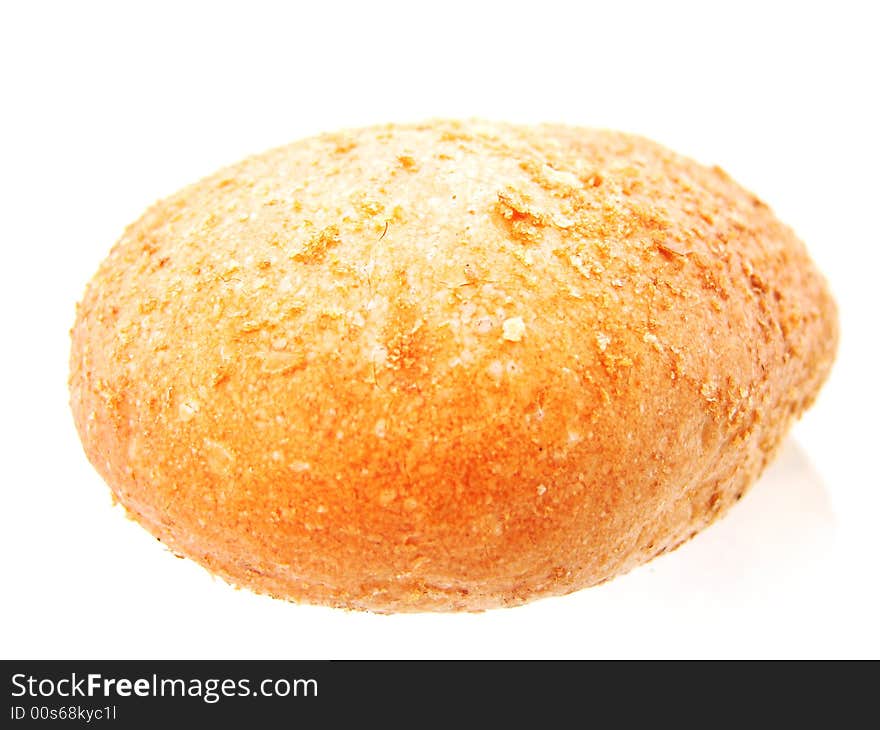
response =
{"points": [[446, 366]]}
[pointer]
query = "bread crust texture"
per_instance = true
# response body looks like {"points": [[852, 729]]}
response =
{"points": [[445, 366]]}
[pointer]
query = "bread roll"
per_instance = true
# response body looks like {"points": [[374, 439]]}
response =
{"points": [[447, 366]]}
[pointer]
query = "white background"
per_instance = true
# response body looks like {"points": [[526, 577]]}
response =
{"points": [[105, 108]]}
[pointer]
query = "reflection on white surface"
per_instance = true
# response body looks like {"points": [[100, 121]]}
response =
{"points": [[784, 525]]}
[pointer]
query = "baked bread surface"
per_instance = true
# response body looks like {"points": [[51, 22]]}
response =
{"points": [[447, 366]]}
